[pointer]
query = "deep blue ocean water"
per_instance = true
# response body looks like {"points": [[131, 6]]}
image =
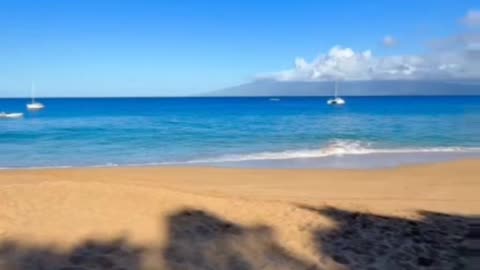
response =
{"points": [[170, 131]]}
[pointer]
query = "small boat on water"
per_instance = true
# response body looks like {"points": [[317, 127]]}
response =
{"points": [[34, 105], [274, 99], [4, 115], [336, 100]]}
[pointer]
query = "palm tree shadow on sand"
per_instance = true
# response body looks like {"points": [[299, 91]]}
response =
{"points": [[201, 240], [116, 254], [370, 241]]}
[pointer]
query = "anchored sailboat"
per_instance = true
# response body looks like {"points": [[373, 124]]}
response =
{"points": [[336, 100], [34, 105], [4, 115]]}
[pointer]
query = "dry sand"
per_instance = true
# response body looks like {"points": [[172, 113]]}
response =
{"points": [[210, 218]]}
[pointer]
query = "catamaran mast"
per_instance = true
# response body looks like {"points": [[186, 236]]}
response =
{"points": [[336, 88], [33, 92]]}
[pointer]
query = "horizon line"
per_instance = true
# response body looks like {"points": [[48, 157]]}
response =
{"points": [[239, 96]]}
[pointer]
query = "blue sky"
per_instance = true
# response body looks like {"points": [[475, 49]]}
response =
{"points": [[165, 48]]}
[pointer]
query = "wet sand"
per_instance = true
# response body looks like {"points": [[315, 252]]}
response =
{"points": [[211, 218]]}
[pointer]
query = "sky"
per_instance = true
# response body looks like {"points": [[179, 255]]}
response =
{"points": [[177, 48]]}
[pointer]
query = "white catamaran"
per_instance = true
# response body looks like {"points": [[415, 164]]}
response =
{"points": [[34, 105], [4, 115], [336, 100]]}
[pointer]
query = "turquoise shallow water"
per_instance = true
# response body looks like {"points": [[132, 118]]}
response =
{"points": [[243, 131]]}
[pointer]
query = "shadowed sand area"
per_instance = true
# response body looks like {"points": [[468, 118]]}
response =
{"points": [[206, 218]]}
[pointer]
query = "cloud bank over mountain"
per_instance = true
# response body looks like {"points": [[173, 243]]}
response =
{"points": [[456, 57], [342, 63], [451, 67]]}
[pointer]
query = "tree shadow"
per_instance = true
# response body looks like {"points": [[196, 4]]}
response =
{"points": [[196, 240], [200, 240], [116, 254], [369, 241]]}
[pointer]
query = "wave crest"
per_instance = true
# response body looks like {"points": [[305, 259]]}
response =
{"points": [[335, 148]]}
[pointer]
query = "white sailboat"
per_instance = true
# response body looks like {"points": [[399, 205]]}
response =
{"points": [[34, 105], [336, 100], [4, 115]]}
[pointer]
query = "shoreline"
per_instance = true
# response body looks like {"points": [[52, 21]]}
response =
{"points": [[363, 161], [214, 165], [172, 217]]}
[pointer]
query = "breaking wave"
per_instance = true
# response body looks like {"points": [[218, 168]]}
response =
{"points": [[336, 148]]}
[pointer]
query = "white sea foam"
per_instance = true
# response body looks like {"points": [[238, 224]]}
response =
{"points": [[38, 167], [336, 148]]}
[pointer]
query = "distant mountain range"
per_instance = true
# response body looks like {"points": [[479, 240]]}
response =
{"points": [[351, 88]]}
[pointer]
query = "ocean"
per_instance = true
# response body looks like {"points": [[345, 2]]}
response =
{"points": [[260, 132]]}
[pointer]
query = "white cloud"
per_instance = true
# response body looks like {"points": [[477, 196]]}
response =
{"points": [[472, 18], [346, 64], [455, 57], [389, 41]]}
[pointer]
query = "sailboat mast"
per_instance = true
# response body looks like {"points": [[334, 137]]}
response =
{"points": [[32, 92], [336, 88]]}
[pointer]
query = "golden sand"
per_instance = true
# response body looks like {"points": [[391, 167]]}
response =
{"points": [[212, 218]]}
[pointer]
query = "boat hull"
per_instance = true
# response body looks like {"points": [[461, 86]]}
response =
{"points": [[336, 101], [11, 115], [35, 107]]}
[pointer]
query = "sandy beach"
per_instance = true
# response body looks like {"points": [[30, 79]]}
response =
{"points": [[210, 218]]}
